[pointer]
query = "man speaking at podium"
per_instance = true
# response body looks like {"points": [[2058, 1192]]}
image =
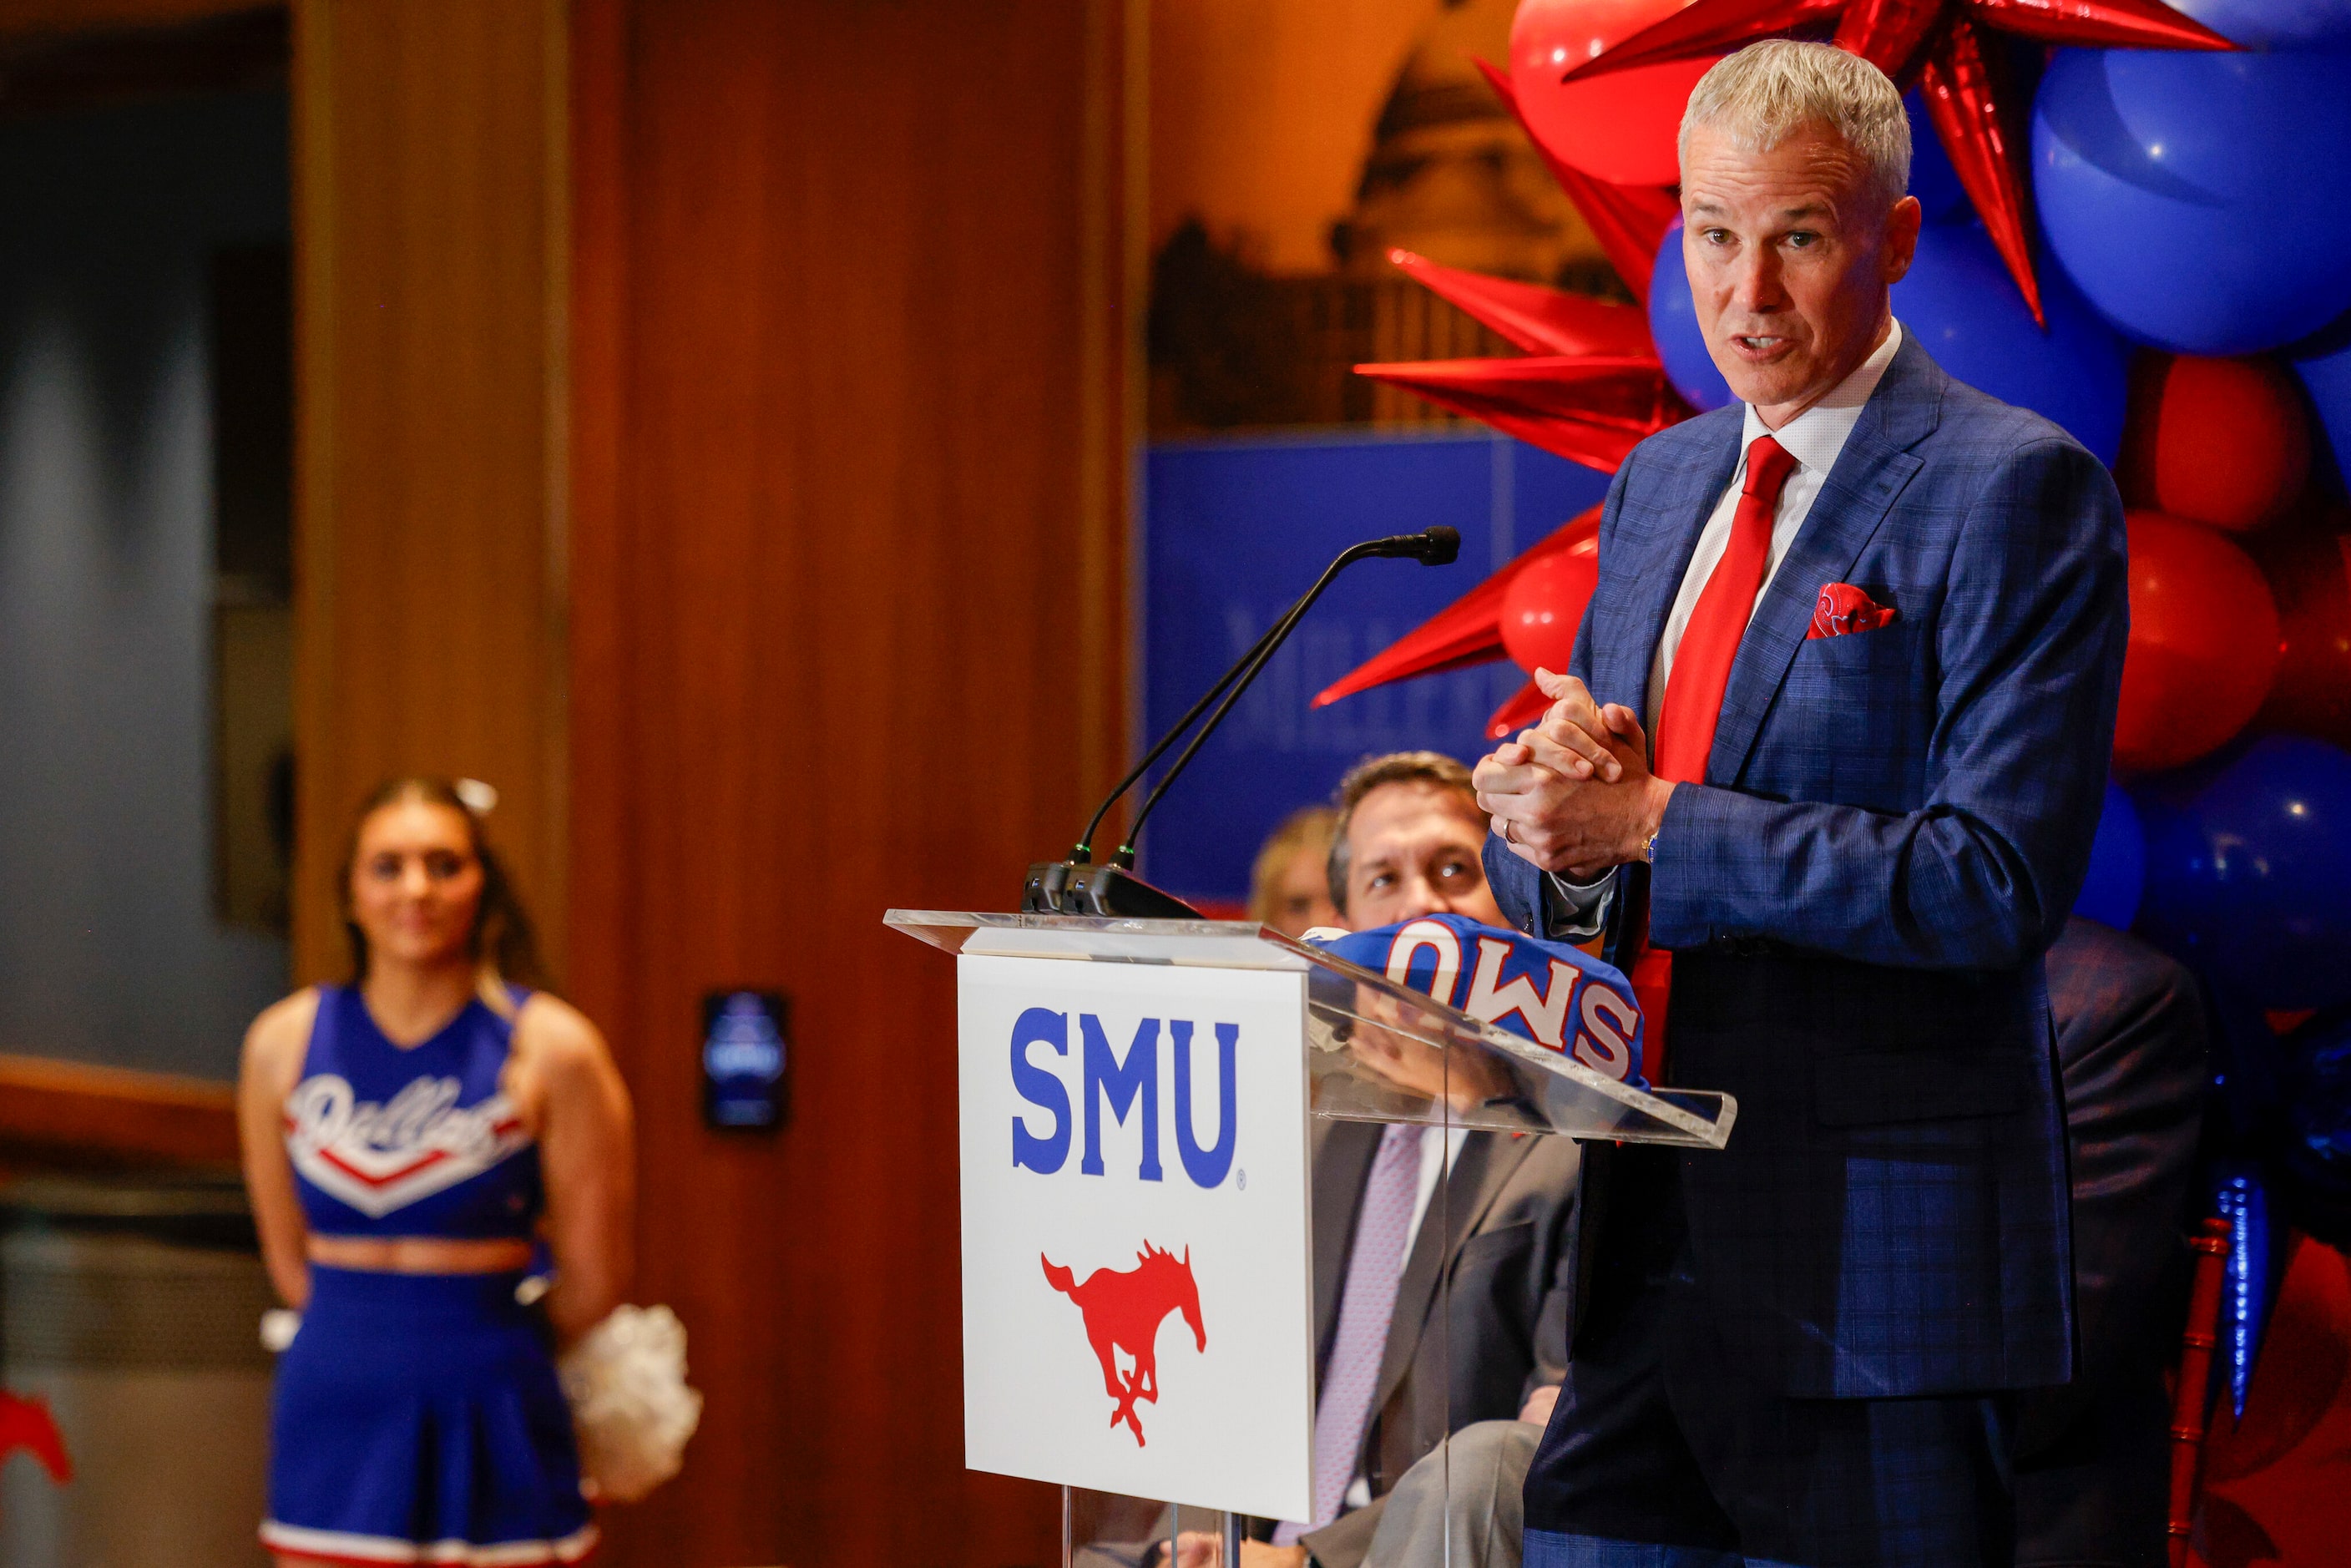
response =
{"points": [[1873, 621]]}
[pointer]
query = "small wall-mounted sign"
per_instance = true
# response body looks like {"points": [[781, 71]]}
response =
{"points": [[746, 1050]]}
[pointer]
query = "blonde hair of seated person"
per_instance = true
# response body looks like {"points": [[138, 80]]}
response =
{"points": [[1289, 887]]}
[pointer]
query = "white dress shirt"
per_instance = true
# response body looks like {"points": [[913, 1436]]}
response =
{"points": [[1814, 438]]}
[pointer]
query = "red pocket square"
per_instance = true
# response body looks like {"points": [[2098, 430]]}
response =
{"points": [[1843, 608]]}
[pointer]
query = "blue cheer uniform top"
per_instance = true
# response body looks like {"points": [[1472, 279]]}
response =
{"points": [[417, 1418], [411, 1141]]}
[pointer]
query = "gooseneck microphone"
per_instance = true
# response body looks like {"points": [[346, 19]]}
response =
{"points": [[1077, 885]]}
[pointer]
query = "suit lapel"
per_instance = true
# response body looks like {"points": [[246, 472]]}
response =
{"points": [[1487, 1163], [1645, 567], [1860, 489]]}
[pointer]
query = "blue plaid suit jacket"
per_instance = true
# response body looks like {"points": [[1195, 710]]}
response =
{"points": [[1895, 825]]}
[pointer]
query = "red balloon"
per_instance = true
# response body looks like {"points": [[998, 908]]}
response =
{"points": [[1619, 125], [2203, 643], [2223, 442], [2308, 563], [1544, 602]]}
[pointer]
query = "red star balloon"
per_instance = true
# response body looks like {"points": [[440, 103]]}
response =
{"points": [[1590, 409], [1538, 319], [1470, 631], [1937, 44], [1593, 390], [1582, 407], [1590, 390], [1627, 220]]}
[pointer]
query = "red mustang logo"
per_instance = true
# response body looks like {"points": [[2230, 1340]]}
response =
{"points": [[1124, 1311]]}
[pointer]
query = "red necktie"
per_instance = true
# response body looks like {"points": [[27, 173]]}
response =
{"points": [[1693, 704], [1710, 642]]}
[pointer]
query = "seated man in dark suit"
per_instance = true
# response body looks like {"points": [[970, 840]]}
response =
{"points": [[2092, 1457], [1398, 1208]]}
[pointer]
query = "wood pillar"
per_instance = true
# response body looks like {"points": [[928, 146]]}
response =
{"points": [[849, 633], [431, 152]]}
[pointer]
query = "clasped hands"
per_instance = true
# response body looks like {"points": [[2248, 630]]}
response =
{"points": [[1575, 794]]}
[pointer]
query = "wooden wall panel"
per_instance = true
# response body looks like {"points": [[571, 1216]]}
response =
{"points": [[432, 233], [847, 633]]}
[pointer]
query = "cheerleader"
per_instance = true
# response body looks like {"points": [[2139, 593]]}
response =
{"points": [[410, 1139]]}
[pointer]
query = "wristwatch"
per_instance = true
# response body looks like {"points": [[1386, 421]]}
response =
{"points": [[1650, 848]]}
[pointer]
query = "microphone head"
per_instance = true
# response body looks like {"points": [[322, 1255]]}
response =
{"points": [[1439, 546]]}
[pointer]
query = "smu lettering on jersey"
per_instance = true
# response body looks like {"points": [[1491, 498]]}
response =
{"points": [[1557, 995]]}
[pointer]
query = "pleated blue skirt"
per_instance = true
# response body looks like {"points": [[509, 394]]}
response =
{"points": [[417, 1419]]}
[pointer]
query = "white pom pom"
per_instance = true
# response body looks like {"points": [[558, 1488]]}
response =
{"points": [[630, 1404], [278, 1328]]}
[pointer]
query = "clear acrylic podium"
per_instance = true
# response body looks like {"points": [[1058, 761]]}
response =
{"points": [[1373, 1051]]}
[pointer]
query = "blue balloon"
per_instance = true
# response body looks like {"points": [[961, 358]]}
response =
{"points": [[2249, 869], [1932, 179], [2274, 24], [2110, 894], [2324, 366], [2196, 197], [1673, 322], [1965, 309]]}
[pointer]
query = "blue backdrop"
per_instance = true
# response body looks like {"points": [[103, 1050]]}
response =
{"points": [[1235, 529]]}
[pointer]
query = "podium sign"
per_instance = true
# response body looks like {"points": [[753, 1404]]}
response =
{"points": [[1137, 1305], [1137, 1255]]}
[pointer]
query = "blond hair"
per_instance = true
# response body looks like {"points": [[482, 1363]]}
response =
{"points": [[1766, 92], [1305, 830]]}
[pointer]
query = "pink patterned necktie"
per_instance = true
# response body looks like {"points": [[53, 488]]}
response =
{"points": [[1367, 1303]]}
